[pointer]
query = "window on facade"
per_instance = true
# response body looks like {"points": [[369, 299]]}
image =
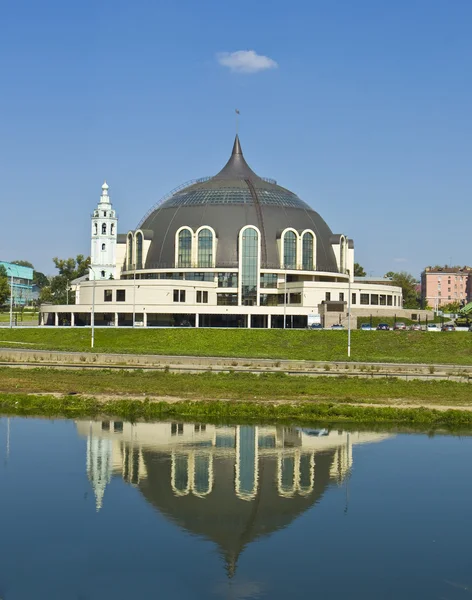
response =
{"points": [[104, 228], [120, 295], [139, 250], [354, 299], [96, 228], [103, 273], [179, 295], [364, 299], [227, 299], [200, 276], [202, 297], [389, 300], [130, 251], [112, 229], [282, 298], [103, 246], [295, 298], [328, 296], [290, 250], [268, 299], [228, 280], [205, 248], [374, 299], [268, 280], [249, 266], [185, 249], [383, 300], [341, 296], [107, 295], [307, 251], [104, 213]]}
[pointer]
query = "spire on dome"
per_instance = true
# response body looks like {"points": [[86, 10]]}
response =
{"points": [[104, 197], [236, 167]]}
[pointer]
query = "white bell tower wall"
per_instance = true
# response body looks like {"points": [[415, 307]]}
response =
{"points": [[103, 235]]}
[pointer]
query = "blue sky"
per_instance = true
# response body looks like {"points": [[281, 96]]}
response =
{"points": [[367, 116]]}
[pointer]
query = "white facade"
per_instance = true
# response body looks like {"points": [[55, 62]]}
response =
{"points": [[104, 225]]}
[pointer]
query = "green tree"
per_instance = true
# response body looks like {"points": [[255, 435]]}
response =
{"points": [[358, 270], [58, 290], [22, 263], [451, 307], [411, 297], [4, 286], [39, 278]]}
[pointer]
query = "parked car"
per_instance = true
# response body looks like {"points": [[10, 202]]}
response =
{"points": [[399, 326], [316, 326], [432, 327], [448, 327], [366, 327], [337, 326], [415, 327], [383, 327]]}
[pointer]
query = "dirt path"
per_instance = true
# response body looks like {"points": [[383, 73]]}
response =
{"points": [[393, 403]]}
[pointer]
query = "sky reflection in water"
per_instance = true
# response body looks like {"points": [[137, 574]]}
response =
{"points": [[94, 510]]}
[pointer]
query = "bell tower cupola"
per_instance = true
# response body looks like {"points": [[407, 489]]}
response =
{"points": [[104, 236]]}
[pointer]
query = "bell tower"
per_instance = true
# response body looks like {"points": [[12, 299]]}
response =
{"points": [[104, 236]]}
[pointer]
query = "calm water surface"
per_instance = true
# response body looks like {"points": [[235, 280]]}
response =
{"points": [[97, 510]]}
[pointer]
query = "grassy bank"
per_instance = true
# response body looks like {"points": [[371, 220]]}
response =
{"points": [[234, 386], [219, 411], [374, 346]]}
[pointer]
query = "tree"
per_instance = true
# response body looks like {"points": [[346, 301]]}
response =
{"points": [[358, 270], [411, 297], [22, 263], [451, 307], [58, 290], [39, 278], [4, 287]]}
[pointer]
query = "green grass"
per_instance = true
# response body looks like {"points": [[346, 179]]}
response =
{"points": [[375, 346], [217, 411], [21, 317], [234, 386]]}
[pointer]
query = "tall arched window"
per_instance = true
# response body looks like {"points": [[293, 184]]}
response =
{"points": [[139, 250], [202, 474], [103, 246], [104, 228], [180, 480], [185, 249], [290, 250], [112, 230], [307, 250], [249, 266], [205, 248], [130, 251], [96, 229], [342, 254]]}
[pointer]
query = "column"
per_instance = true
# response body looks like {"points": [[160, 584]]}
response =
{"points": [[269, 321], [72, 319], [144, 319], [41, 318], [249, 321], [56, 319], [197, 320], [116, 319]]}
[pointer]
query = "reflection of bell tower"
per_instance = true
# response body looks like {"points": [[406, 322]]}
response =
{"points": [[99, 466]]}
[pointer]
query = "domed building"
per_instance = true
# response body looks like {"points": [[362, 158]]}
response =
{"points": [[232, 250]]}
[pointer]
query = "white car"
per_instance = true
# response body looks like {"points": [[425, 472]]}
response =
{"points": [[432, 327]]}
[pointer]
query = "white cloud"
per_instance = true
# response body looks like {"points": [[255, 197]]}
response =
{"points": [[245, 61]]}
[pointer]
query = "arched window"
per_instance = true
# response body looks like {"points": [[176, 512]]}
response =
{"points": [[103, 246], [202, 474], [103, 273], [139, 250], [96, 228], [130, 250], [104, 228], [205, 248], [112, 229], [290, 250], [185, 249], [180, 480], [342, 254], [249, 266], [286, 475], [307, 250], [246, 462], [306, 480]]}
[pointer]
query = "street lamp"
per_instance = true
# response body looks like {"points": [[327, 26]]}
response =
{"points": [[11, 296], [349, 315], [92, 318]]}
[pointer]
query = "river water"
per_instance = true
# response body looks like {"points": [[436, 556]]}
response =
{"points": [[103, 509]]}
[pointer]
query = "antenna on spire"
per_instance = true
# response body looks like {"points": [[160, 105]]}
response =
{"points": [[236, 110]]}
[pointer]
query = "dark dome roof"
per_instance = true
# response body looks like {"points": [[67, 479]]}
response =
{"points": [[230, 200]]}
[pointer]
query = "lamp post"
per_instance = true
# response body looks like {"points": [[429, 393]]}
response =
{"points": [[285, 297], [11, 296], [349, 316], [92, 316], [134, 295]]}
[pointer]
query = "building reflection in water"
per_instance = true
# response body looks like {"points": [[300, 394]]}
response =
{"points": [[230, 484]]}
